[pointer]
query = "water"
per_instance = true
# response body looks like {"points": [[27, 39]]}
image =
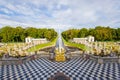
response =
{"points": [[60, 43]]}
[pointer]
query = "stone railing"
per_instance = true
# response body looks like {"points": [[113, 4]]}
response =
{"points": [[20, 60], [76, 54], [95, 58], [103, 59], [16, 61], [108, 60], [98, 59]]}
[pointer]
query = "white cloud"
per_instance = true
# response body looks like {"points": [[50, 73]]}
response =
{"points": [[60, 12], [6, 11]]}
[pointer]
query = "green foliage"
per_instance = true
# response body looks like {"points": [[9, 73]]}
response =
{"points": [[83, 32], [18, 34], [118, 33], [1, 54], [103, 34], [70, 34], [6, 33], [100, 33]]}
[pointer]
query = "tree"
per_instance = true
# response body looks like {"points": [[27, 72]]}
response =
{"points": [[101, 33], [83, 32], [7, 34], [18, 34], [32, 32], [118, 33]]}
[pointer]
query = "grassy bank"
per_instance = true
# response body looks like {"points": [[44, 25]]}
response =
{"points": [[80, 46], [40, 46]]}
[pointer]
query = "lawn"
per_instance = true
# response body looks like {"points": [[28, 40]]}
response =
{"points": [[41, 46], [80, 46]]}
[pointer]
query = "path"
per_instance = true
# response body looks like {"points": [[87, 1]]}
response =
{"points": [[76, 69]]}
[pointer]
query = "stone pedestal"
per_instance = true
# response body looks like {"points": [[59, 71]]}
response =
{"points": [[0, 63], [119, 60], [32, 57], [100, 61], [68, 56], [20, 62], [35, 56], [51, 55]]}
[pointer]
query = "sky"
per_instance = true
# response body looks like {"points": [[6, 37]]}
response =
{"points": [[61, 14]]}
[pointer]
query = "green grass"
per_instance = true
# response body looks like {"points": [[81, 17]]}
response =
{"points": [[41, 46], [80, 46]]}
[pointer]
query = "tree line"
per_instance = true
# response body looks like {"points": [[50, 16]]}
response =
{"points": [[18, 34], [101, 33]]}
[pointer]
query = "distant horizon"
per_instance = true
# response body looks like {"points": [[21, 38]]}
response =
{"points": [[57, 29]]}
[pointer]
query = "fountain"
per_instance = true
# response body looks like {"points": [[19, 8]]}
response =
{"points": [[59, 50]]}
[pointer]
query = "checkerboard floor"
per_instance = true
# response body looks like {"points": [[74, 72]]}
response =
{"points": [[76, 69]]}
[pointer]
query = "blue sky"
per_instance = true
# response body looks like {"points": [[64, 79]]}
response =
{"points": [[60, 13]]}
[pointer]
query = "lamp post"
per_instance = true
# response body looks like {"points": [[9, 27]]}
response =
{"points": [[34, 48]]}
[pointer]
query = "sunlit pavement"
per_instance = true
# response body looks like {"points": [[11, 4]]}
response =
{"points": [[76, 69]]}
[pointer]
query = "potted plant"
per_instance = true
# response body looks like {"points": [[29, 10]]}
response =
{"points": [[1, 54]]}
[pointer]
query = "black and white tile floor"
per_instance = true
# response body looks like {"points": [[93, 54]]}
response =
{"points": [[76, 69]]}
